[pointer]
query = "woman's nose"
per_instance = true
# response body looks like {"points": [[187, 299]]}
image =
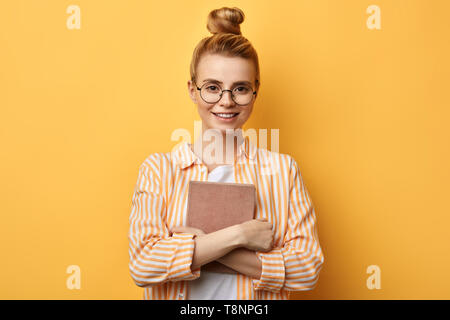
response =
{"points": [[226, 98]]}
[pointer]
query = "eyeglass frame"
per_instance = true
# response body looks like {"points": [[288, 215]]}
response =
{"points": [[221, 94]]}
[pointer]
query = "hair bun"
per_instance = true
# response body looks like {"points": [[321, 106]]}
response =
{"points": [[225, 20]]}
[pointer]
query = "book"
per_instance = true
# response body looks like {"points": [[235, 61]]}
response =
{"points": [[216, 205]]}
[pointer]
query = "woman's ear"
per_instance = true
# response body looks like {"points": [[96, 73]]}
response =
{"points": [[192, 89]]}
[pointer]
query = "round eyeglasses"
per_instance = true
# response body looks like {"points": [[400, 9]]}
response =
{"points": [[211, 93]]}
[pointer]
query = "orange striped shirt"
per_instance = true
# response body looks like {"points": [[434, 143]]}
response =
{"points": [[161, 264]]}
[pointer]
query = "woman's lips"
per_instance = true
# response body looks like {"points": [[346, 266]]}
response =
{"points": [[228, 119]]}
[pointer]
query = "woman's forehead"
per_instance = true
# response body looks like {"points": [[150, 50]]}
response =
{"points": [[225, 69]]}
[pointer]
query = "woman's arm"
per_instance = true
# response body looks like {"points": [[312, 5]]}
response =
{"points": [[212, 246], [243, 261], [155, 256], [297, 264], [240, 259]]}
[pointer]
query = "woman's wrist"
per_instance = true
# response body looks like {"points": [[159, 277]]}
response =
{"points": [[238, 236]]}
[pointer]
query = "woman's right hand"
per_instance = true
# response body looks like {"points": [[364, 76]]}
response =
{"points": [[257, 235]]}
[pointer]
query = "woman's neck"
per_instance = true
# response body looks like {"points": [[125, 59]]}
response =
{"points": [[218, 150]]}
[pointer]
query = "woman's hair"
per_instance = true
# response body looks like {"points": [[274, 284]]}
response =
{"points": [[226, 40]]}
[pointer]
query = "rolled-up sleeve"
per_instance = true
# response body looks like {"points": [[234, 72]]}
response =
{"points": [[156, 257], [295, 266]]}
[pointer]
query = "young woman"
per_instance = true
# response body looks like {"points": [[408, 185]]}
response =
{"points": [[275, 253]]}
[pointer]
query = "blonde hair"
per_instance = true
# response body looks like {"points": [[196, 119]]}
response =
{"points": [[226, 40]]}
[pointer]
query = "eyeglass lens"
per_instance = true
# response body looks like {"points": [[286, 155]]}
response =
{"points": [[241, 94]]}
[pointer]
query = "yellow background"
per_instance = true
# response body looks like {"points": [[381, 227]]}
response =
{"points": [[364, 112]]}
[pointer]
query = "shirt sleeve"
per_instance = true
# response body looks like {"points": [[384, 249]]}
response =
{"points": [[156, 257], [295, 266]]}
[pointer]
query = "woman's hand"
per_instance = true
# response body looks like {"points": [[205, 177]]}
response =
{"points": [[257, 235], [184, 229]]}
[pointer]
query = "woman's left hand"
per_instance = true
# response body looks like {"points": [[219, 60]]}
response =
{"points": [[184, 229]]}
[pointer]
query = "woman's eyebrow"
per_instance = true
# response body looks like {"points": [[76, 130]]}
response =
{"points": [[237, 82]]}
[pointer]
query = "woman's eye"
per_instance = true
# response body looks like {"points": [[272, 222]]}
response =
{"points": [[212, 88], [241, 89]]}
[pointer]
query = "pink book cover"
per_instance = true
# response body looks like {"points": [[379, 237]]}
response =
{"points": [[216, 205]]}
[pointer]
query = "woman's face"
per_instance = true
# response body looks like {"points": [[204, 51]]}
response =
{"points": [[227, 71]]}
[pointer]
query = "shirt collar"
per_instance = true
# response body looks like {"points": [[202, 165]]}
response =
{"points": [[184, 156]]}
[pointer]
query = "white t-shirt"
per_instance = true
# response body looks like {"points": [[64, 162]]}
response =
{"points": [[214, 285]]}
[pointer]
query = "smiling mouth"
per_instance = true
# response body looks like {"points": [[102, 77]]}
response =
{"points": [[226, 115]]}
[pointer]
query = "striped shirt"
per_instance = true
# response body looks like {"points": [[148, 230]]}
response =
{"points": [[161, 264]]}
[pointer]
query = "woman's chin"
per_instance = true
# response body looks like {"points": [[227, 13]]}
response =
{"points": [[223, 128]]}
